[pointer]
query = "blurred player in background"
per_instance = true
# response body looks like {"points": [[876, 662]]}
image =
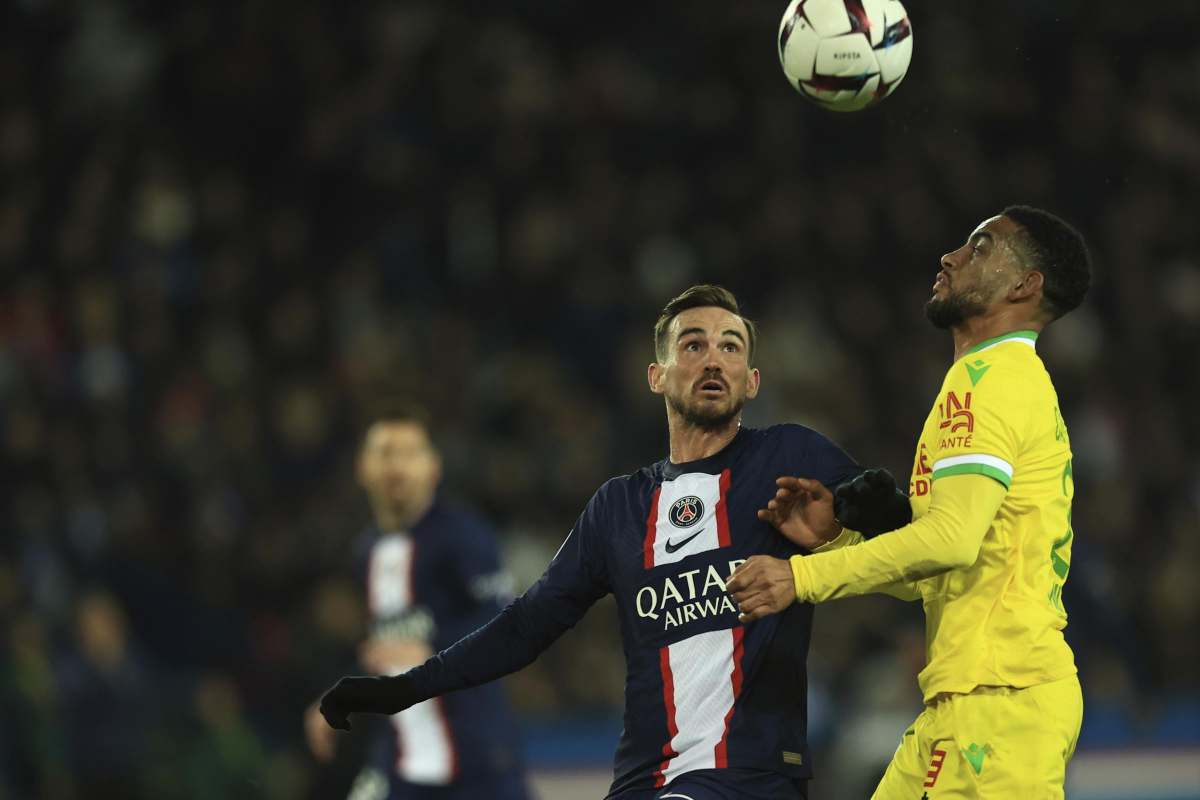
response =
{"points": [[713, 710], [990, 546], [432, 574]]}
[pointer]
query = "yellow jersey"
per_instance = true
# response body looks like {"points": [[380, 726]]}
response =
{"points": [[990, 564], [1000, 621]]}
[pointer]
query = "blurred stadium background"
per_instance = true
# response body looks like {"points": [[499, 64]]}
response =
{"points": [[226, 227]]}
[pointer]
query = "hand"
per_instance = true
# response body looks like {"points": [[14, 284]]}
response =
{"points": [[762, 585], [871, 503], [802, 510], [322, 740], [388, 656], [359, 695]]}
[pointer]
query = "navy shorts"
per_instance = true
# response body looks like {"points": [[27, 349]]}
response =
{"points": [[724, 784]]}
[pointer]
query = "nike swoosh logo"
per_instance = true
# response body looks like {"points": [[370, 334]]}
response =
{"points": [[674, 546]]}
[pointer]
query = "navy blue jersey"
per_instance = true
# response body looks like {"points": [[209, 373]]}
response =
{"points": [[702, 691], [437, 583]]}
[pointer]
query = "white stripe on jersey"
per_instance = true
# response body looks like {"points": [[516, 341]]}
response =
{"points": [[701, 670], [423, 740], [389, 576], [677, 533], [426, 750]]}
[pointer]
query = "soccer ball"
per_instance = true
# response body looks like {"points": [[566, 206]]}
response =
{"points": [[845, 54]]}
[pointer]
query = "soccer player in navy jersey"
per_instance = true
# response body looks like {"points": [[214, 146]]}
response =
{"points": [[432, 572], [714, 710]]}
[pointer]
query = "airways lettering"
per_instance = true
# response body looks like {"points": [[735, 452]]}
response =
{"points": [[683, 598]]}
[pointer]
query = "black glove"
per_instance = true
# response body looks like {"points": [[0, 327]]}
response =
{"points": [[362, 695], [871, 503]]}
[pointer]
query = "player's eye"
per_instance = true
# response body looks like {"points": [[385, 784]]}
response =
{"points": [[692, 346], [730, 347]]}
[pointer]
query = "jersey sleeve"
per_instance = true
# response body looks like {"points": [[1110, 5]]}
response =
{"points": [[814, 455], [901, 589], [982, 415], [948, 536], [575, 579]]}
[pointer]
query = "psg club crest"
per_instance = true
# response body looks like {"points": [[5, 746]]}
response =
{"points": [[686, 511]]}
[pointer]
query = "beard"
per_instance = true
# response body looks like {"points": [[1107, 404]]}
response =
{"points": [[706, 416], [952, 310]]}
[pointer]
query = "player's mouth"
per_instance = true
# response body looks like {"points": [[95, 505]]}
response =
{"points": [[712, 388], [942, 280]]}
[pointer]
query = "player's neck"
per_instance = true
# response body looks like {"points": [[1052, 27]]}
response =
{"points": [[979, 329], [390, 518], [692, 443]]}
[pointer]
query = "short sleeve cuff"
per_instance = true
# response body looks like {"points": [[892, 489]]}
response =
{"points": [[975, 464]]}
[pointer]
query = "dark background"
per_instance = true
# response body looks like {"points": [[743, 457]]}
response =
{"points": [[226, 228]]}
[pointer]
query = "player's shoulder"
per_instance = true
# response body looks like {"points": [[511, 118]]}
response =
{"points": [[620, 488], [792, 437], [619, 496], [789, 431], [362, 545], [455, 520], [1007, 366]]}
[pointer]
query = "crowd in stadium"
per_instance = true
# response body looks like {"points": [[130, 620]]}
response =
{"points": [[225, 231]]}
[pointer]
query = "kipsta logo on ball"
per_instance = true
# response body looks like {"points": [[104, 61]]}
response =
{"points": [[686, 511]]}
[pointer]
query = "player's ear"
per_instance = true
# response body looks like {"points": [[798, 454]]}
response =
{"points": [[752, 382], [656, 375], [1030, 284]]}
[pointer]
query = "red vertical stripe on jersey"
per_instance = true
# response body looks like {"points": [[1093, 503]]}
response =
{"points": [[722, 511], [664, 660], [722, 749], [652, 528]]}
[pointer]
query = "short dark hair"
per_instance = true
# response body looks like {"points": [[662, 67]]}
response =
{"points": [[700, 296], [394, 409], [1058, 251]]}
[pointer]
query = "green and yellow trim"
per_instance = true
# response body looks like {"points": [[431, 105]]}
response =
{"points": [[1025, 337], [974, 464]]}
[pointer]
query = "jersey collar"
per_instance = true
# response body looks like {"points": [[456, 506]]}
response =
{"points": [[1025, 337], [712, 465]]}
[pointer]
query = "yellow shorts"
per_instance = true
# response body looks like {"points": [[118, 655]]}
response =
{"points": [[995, 742]]}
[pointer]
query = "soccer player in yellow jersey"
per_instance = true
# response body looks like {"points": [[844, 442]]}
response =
{"points": [[989, 546]]}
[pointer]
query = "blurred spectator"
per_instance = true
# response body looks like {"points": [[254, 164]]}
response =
{"points": [[107, 697]]}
